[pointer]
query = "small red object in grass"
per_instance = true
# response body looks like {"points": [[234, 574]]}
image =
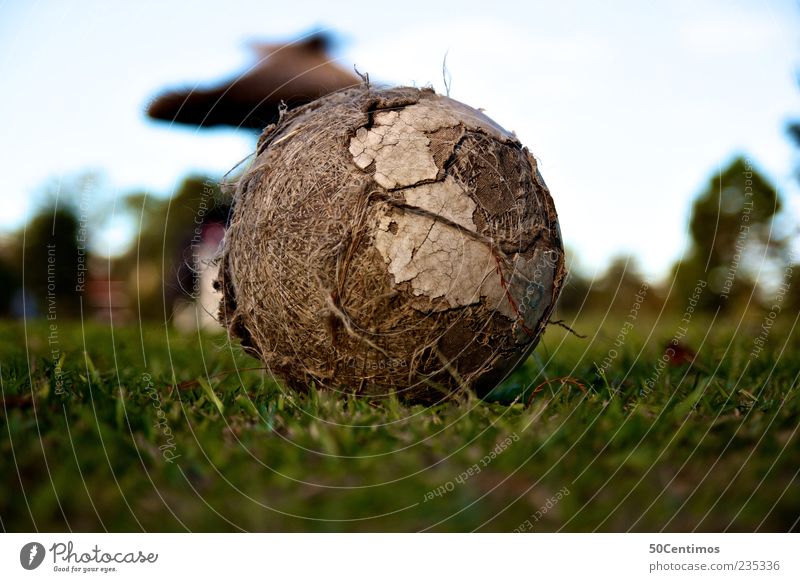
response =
{"points": [[565, 380], [679, 353]]}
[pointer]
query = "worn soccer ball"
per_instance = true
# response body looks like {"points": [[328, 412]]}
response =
{"points": [[390, 241]]}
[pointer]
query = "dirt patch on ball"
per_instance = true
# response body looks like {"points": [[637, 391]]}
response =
{"points": [[390, 241]]}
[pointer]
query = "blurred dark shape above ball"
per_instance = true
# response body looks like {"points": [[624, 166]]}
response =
{"points": [[293, 73]]}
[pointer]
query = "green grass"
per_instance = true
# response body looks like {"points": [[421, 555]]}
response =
{"points": [[712, 447]]}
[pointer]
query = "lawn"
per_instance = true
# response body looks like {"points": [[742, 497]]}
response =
{"points": [[147, 429]]}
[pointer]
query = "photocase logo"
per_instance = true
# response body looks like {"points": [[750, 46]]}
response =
{"points": [[31, 555]]}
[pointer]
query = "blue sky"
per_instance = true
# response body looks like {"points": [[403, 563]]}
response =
{"points": [[629, 106]]}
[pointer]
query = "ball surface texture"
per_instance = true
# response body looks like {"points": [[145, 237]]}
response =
{"points": [[390, 241]]}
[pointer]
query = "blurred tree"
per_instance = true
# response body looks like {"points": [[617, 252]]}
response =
{"points": [[793, 275], [160, 267], [793, 129], [615, 292], [621, 286], [572, 299], [9, 279], [49, 261], [576, 287], [732, 239]]}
